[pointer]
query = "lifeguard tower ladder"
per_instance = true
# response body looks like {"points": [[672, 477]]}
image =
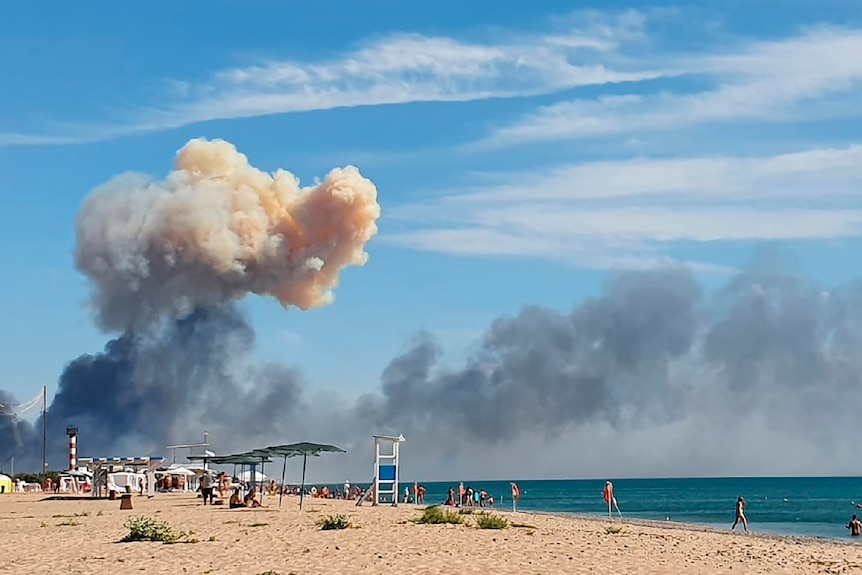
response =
{"points": [[386, 468]]}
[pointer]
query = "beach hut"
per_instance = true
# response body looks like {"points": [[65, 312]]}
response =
{"points": [[5, 484]]}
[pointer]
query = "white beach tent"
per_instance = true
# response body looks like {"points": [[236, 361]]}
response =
{"points": [[246, 476], [120, 480]]}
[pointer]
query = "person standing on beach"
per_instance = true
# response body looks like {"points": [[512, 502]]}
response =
{"points": [[740, 514], [207, 487], [855, 527], [516, 494]]}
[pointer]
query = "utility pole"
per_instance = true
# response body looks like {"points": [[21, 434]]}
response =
{"points": [[44, 429]]}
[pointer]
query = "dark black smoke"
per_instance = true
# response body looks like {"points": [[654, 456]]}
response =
{"points": [[149, 389], [764, 376]]}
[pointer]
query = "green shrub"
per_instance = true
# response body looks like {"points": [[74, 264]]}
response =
{"points": [[465, 512], [486, 521], [331, 522], [69, 523], [435, 515], [147, 529], [613, 530]]}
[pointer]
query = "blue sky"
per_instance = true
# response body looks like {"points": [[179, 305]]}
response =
{"points": [[520, 152]]}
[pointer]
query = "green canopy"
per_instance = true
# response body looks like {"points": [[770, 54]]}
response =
{"points": [[293, 450], [247, 458]]}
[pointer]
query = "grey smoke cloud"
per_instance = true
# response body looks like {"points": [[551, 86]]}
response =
{"points": [[653, 376]]}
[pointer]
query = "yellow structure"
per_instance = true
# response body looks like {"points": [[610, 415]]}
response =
{"points": [[5, 484]]}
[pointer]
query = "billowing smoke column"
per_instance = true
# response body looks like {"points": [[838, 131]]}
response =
{"points": [[651, 377], [215, 230], [167, 260]]}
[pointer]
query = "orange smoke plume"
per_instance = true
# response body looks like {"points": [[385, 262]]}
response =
{"points": [[215, 229]]}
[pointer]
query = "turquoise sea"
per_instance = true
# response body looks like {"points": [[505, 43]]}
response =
{"points": [[808, 506]]}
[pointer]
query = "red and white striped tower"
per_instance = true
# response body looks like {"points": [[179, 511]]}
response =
{"points": [[72, 432]]}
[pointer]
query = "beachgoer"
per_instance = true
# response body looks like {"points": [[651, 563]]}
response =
{"points": [[421, 494], [346, 489], [516, 494], [740, 514], [855, 526], [207, 487], [235, 500], [450, 499], [251, 499]]}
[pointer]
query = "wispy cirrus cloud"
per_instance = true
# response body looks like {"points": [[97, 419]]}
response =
{"points": [[398, 69], [760, 81], [619, 213]]}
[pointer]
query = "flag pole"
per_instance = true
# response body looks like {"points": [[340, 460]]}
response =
{"points": [[283, 472], [44, 428], [302, 487]]}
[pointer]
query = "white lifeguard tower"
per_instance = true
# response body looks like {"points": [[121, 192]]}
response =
{"points": [[386, 468]]}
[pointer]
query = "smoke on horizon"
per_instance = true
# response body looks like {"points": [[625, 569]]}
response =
{"points": [[652, 377]]}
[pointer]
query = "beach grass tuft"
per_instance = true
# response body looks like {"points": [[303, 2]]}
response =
{"points": [[488, 521], [147, 529], [435, 515], [69, 523], [331, 522], [613, 530]]}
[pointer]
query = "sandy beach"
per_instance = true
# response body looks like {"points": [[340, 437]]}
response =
{"points": [[74, 536]]}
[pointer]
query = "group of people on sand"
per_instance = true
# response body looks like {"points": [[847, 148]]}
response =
{"points": [[418, 496], [222, 484], [469, 497]]}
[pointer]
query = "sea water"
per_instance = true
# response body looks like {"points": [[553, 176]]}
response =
{"points": [[807, 506]]}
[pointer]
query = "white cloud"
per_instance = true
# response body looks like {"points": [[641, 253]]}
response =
{"points": [[399, 69], [14, 139], [413, 68], [630, 212], [763, 81], [785, 176]]}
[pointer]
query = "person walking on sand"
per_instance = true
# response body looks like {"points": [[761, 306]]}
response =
{"points": [[740, 514], [206, 484], [516, 494], [855, 527]]}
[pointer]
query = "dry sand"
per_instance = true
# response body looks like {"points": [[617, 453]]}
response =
{"points": [[45, 536]]}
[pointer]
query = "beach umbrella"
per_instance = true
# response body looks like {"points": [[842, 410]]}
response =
{"points": [[252, 458], [295, 449]]}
